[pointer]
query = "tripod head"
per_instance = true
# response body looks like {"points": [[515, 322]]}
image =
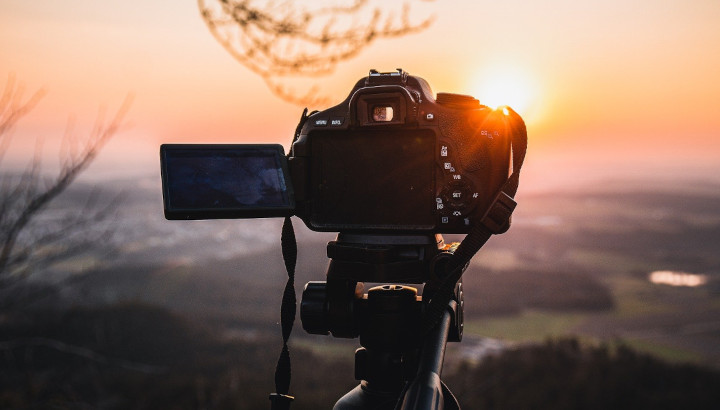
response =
{"points": [[388, 318]]}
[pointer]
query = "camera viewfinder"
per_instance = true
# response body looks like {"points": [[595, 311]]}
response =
{"points": [[382, 113]]}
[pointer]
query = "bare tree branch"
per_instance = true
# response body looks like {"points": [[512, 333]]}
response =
{"points": [[13, 106], [279, 39], [24, 197]]}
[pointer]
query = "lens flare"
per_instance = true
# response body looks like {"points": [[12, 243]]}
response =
{"points": [[499, 87]]}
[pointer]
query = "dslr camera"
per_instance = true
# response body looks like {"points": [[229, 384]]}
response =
{"points": [[392, 158]]}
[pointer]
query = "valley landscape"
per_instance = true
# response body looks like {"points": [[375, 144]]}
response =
{"points": [[581, 259], [576, 264]]}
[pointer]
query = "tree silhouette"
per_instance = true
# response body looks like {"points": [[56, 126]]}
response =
{"points": [[25, 195], [282, 39]]}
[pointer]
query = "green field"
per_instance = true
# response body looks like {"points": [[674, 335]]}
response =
{"points": [[649, 318], [530, 326]]}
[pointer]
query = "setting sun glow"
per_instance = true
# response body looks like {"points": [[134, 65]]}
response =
{"points": [[505, 87]]}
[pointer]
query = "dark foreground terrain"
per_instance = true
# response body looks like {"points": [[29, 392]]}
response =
{"points": [[143, 357]]}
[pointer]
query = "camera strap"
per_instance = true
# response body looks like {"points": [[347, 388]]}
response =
{"points": [[495, 221], [280, 400]]}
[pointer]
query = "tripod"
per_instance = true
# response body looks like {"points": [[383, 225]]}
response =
{"points": [[399, 365]]}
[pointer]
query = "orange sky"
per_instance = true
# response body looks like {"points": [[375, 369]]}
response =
{"points": [[607, 87]]}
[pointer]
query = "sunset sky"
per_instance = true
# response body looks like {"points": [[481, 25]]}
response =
{"points": [[608, 88]]}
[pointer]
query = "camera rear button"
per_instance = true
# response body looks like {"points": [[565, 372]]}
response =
{"points": [[336, 121], [321, 122]]}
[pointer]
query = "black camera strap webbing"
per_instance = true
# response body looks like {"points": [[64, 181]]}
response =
{"points": [[280, 400], [495, 221]]}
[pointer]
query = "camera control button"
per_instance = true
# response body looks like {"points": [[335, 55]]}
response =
{"points": [[321, 122], [459, 197], [337, 121]]}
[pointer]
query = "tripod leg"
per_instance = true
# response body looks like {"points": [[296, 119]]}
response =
{"points": [[451, 402], [427, 391]]}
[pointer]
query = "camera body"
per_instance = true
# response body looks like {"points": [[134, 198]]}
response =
{"points": [[391, 158]]}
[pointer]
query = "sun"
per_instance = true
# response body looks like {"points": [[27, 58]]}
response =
{"points": [[503, 86]]}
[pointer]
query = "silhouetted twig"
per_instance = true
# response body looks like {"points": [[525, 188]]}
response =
{"points": [[25, 195], [280, 39]]}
